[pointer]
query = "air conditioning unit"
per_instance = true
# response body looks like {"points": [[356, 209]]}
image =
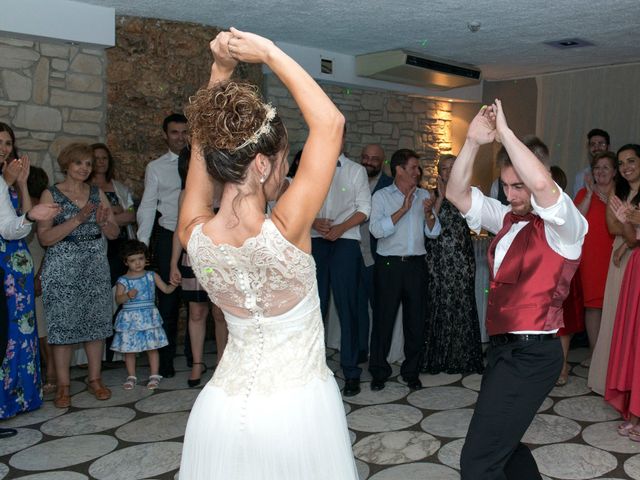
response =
{"points": [[413, 69]]}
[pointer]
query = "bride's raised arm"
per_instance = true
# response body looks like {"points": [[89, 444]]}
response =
{"points": [[197, 206], [297, 208]]}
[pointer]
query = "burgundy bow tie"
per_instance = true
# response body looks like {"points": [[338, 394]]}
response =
{"points": [[514, 218]]}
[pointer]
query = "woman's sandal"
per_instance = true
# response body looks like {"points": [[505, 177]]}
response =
{"points": [[130, 383], [625, 428], [634, 434], [49, 386], [194, 382], [154, 382], [63, 397], [98, 390]]}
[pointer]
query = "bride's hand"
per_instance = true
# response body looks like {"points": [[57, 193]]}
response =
{"points": [[249, 47], [219, 47]]}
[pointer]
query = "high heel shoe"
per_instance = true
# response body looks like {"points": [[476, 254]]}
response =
{"points": [[196, 381]]}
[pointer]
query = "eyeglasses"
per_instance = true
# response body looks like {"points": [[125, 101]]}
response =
{"points": [[598, 144]]}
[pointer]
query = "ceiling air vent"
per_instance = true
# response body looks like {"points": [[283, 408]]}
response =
{"points": [[569, 43], [414, 69]]}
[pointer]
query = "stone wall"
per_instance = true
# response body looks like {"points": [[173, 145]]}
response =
{"points": [[153, 69], [390, 119], [51, 94]]}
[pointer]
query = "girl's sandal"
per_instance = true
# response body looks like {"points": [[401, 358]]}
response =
{"points": [[154, 382], [625, 428], [130, 384]]}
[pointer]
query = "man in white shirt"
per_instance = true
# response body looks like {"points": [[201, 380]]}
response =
{"points": [[598, 140], [161, 192], [335, 245], [401, 216], [532, 259]]}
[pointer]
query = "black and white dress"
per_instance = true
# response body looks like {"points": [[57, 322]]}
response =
{"points": [[76, 287]]}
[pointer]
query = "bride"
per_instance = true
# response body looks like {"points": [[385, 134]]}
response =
{"points": [[273, 409]]}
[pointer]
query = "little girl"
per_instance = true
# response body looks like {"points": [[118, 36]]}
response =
{"points": [[138, 326]]}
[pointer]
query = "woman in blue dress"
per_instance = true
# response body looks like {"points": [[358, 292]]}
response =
{"points": [[20, 388]]}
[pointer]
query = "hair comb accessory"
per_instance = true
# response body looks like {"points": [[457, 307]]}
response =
{"points": [[262, 130]]}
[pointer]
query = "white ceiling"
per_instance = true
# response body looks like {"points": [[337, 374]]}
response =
{"points": [[508, 45]]}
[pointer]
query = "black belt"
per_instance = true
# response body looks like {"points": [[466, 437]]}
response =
{"points": [[504, 338], [402, 258]]}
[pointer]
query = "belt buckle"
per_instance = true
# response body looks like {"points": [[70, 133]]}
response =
{"points": [[499, 340], [404, 258]]}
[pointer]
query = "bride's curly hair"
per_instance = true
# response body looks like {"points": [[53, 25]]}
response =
{"points": [[222, 118]]}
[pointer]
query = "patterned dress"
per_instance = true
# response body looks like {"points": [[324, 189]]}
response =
{"points": [[452, 333], [76, 290], [139, 325], [20, 372]]}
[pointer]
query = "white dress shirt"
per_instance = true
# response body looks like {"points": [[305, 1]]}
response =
{"points": [[12, 226], [406, 237], [349, 193], [564, 226], [161, 192]]}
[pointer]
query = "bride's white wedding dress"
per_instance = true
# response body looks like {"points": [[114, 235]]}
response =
{"points": [[272, 409]]}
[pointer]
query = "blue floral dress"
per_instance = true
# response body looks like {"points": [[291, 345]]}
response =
{"points": [[138, 325], [20, 389]]}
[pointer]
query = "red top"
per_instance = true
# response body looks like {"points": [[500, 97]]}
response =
{"points": [[596, 251], [531, 283]]}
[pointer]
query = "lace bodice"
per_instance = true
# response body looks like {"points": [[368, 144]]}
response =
{"points": [[267, 289]]}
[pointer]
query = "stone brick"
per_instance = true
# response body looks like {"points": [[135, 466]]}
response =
{"points": [[43, 136], [81, 128], [33, 144], [57, 83], [75, 100], [420, 106], [41, 82], [54, 50], [93, 51], [7, 103], [32, 117], [362, 116], [382, 128], [4, 111], [89, 64], [394, 105], [59, 75], [406, 142], [16, 57], [92, 116], [84, 83], [59, 64], [15, 42], [372, 102], [16, 87], [396, 117]]}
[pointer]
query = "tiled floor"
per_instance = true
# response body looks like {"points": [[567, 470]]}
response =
{"points": [[396, 434]]}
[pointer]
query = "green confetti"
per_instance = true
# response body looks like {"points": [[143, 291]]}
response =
{"points": [[486, 291], [347, 91], [208, 270], [424, 43]]}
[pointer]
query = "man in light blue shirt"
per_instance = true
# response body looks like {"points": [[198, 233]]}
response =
{"points": [[401, 216]]}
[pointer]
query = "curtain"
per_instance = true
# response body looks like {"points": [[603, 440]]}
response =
{"points": [[570, 104]]}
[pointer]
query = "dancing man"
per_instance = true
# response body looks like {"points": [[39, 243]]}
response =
{"points": [[532, 259]]}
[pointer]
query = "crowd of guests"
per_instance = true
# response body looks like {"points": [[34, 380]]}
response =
{"points": [[379, 242]]}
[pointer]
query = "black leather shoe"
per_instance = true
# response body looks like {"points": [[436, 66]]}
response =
{"points": [[377, 385], [414, 384], [351, 387], [167, 372]]}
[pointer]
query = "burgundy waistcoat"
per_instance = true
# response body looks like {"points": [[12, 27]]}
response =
{"points": [[531, 284]]}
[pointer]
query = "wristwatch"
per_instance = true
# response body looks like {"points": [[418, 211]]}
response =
{"points": [[28, 218]]}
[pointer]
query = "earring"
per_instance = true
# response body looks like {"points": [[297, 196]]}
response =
{"points": [[263, 179]]}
